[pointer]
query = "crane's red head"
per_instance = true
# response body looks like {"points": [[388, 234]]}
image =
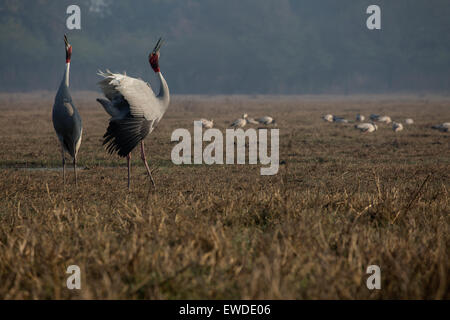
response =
{"points": [[68, 49], [153, 58]]}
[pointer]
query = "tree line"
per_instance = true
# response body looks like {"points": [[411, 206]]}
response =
{"points": [[233, 46]]}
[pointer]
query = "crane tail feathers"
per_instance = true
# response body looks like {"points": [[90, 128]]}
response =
{"points": [[123, 135]]}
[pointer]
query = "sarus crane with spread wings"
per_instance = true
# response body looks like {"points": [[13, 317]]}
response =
{"points": [[134, 109]]}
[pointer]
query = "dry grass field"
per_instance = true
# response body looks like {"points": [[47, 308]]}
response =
{"points": [[341, 201]]}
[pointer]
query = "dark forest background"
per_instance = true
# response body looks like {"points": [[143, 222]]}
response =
{"points": [[232, 46]]}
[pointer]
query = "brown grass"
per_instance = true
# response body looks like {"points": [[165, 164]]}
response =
{"points": [[342, 201]]}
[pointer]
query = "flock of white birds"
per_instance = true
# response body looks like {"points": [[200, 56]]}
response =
{"points": [[241, 122], [365, 127], [371, 126]]}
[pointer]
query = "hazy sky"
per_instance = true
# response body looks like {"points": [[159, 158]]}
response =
{"points": [[245, 46]]}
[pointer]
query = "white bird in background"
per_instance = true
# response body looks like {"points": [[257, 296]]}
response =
{"points": [[252, 121], [360, 118], [135, 110], [66, 119], [339, 120], [241, 122], [409, 121], [328, 117], [385, 119], [396, 126], [366, 127], [208, 124], [266, 120], [444, 127]]}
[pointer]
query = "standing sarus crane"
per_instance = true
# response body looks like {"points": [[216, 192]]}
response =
{"points": [[134, 109], [66, 119]]}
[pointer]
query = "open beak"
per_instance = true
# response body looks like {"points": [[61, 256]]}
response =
{"points": [[158, 46]]}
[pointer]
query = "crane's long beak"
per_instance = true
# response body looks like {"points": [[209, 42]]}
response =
{"points": [[158, 46], [65, 41]]}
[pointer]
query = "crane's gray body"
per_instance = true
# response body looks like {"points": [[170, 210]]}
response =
{"points": [[67, 120], [134, 109]]}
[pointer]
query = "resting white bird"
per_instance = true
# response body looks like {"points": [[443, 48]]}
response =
{"points": [[208, 124], [241, 122], [396, 126], [360, 117], [252, 121], [385, 119], [266, 120], [444, 127], [134, 109], [328, 117], [409, 121], [339, 120], [366, 127]]}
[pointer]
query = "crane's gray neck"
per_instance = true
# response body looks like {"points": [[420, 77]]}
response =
{"points": [[164, 95], [66, 74], [63, 92]]}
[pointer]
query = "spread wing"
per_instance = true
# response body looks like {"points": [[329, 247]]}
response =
{"points": [[123, 135], [139, 95], [134, 108]]}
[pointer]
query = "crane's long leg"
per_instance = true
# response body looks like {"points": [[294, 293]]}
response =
{"points": [[75, 170], [144, 159], [129, 168], [63, 164]]}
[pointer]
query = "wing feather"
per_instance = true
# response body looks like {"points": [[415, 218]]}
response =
{"points": [[139, 95], [123, 135]]}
